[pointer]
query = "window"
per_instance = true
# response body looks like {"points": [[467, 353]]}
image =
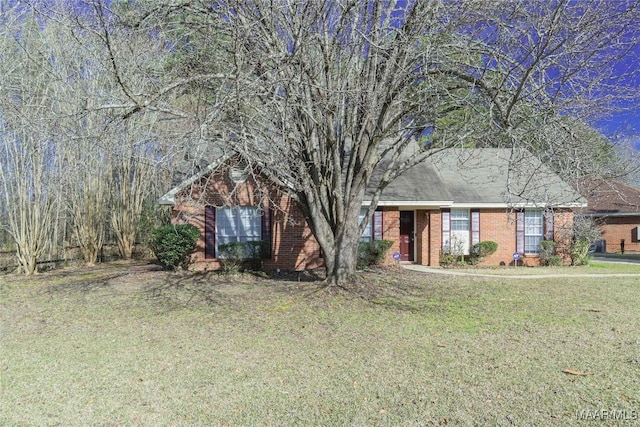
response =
{"points": [[235, 224], [367, 234], [459, 243], [238, 224], [459, 220], [373, 230], [533, 231], [460, 230], [533, 226]]}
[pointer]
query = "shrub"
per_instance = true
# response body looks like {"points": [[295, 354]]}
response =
{"points": [[235, 254], [554, 261], [172, 244], [372, 253], [447, 259], [231, 256], [547, 251], [483, 249], [583, 229], [580, 252]]}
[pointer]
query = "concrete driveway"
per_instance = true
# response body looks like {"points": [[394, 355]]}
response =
{"points": [[614, 259]]}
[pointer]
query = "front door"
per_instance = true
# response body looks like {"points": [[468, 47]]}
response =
{"points": [[407, 233]]}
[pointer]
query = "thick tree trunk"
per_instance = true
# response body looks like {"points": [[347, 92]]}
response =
{"points": [[125, 241], [341, 256], [27, 262], [90, 252], [343, 265]]}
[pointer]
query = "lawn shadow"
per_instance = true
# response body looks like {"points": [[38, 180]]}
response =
{"points": [[86, 279], [406, 290], [395, 289], [180, 289]]}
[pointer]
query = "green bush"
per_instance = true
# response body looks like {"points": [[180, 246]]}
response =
{"points": [[172, 244], [580, 252], [554, 261], [234, 255], [547, 252], [481, 250], [372, 253], [447, 259]]}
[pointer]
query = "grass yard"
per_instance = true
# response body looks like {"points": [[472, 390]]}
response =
{"points": [[128, 345], [594, 267]]}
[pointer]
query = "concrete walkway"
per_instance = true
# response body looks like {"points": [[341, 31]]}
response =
{"points": [[454, 272]]}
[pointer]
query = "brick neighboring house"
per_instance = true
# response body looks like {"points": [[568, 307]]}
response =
{"points": [[449, 202], [615, 207]]}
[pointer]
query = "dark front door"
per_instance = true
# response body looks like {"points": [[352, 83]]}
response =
{"points": [[406, 235]]}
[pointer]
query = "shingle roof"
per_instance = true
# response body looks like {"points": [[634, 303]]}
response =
{"points": [[609, 197], [471, 177], [482, 176]]}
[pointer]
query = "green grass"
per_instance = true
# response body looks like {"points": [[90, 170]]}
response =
{"points": [[116, 346], [594, 267]]}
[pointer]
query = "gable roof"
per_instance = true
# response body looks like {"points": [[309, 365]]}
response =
{"points": [[482, 177], [470, 177], [609, 197], [169, 198]]}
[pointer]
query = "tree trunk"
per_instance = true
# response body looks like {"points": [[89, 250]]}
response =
{"points": [[27, 262], [125, 240], [341, 250], [342, 267]]}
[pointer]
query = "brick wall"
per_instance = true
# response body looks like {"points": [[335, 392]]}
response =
{"points": [[293, 245], [422, 237], [295, 248], [435, 237], [499, 225], [615, 229], [391, 227], [563, 234]]}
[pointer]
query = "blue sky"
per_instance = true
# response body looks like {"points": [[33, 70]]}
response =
{"points": [[622, 126], [625, 124]]}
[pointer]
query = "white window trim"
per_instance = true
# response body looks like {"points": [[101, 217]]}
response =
{"points": [[528, 215], [238, 226], [460, 237]]}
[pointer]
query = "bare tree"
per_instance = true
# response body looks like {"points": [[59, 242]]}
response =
{"points": [[82, 137], [133, 175], [87, 195], [27, 169], [65, 143], [332, 98], [29, 160]]}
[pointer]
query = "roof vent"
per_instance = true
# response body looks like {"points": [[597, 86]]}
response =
{"points": [[239, 173]]}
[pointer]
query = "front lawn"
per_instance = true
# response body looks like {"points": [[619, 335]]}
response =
{"points": [[130, 345], [594, 267]]}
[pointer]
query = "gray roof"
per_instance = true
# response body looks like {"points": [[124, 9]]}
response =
{"points": [[482, 177]]}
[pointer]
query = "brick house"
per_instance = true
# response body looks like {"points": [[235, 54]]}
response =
{"points": [[615, 207], [446, 204]]}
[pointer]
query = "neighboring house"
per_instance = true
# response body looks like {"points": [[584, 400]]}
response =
{"points": [[446, 204], [615, 207]]}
